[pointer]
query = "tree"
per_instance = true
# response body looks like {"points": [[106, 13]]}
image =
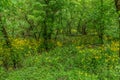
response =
{"points": [[117, 4], [101, 29], [3, 4]]}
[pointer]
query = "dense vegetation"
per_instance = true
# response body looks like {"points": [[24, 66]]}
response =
{"points": [[59, 39]]}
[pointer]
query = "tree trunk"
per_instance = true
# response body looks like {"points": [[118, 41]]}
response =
{"points": [[7, 44], [117, 4], [78, 27], [69, 28], [28, 33], [83, 29], [101, 28], [5, 35]]}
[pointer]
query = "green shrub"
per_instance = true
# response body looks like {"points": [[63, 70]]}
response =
{"points": [[3, 74]]}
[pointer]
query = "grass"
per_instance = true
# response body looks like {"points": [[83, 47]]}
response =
{"points": [[67, 63]]}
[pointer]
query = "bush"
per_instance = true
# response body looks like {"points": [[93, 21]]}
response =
{"points": [[3, 74], [13, 57], [92, 61], [67, 63]]}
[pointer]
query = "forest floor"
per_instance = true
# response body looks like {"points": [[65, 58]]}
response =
{"points": [[69, 62]]}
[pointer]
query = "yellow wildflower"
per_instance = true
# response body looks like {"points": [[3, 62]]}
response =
{"points": [[59, 44]]}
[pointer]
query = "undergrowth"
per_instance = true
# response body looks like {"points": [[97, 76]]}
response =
{"points": [[67, 63]]}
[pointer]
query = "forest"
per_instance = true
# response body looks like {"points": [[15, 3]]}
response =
{"points": [[59, 39]]}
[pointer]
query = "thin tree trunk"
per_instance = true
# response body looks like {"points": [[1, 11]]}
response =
{"points": [[78, 27], [117, 4], [31, 28], [101, 30], [83, 29], [7, 44], [5, 35]]}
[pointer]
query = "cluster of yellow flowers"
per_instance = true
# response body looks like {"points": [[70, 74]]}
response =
{"points": [[96, 53], [19, 46], [110, 58], [115, 46], [59, 44], [21, 43]]}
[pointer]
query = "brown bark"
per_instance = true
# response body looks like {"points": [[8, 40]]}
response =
{"points": [[83, 29], [117, 4]]}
